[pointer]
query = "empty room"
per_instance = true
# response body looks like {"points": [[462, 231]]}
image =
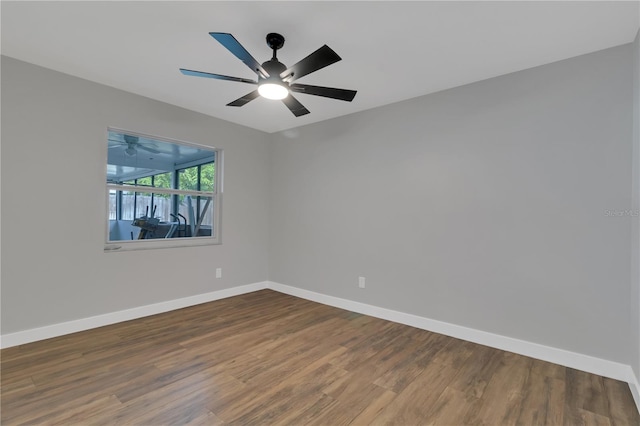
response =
{"points": [[320, 213]]}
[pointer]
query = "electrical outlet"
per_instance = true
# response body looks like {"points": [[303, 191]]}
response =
{"points": [[361, 282], [218, 272]]}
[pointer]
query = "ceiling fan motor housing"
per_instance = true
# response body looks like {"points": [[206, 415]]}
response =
{"points": [[274, 68], [130, 139]]}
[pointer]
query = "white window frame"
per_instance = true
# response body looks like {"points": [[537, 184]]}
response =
{"points": [[150, 244]]}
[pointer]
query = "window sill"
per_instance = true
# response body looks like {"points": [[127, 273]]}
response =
{"points": [[119, 246]]}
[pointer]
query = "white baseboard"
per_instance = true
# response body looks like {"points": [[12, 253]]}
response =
{"points": [[55, 330], [634, 385], [575, 360]]}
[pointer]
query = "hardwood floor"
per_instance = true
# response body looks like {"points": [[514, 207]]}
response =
{"points": [[269, 358]]}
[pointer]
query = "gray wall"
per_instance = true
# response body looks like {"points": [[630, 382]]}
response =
{"points": [[635, 234], [482, 206], [470, 206], [54, 208]]}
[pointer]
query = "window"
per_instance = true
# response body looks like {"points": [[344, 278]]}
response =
{"points": [[161, 193]]}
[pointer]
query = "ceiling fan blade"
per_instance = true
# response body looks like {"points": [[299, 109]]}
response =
{"points": [[234, 46], [317, 60], [148, 149], [245, 99], [216, 76], [295, 106], [327, 92]]}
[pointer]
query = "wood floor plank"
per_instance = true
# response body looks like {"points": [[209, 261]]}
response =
{"points": [[309, 414], [272, 407], [502, 399], [180, 402], [548, 369], [584, 392], [15, 367], [452, 407], [542, 402], [156, 379], [41, 400], [264, 397], [207, 419], [21, 384], [72, 411], [400, 377], [373, 409], [414, 404], [369, 401], [455, 354], [474, 375], [586, 417], [358, 390], [619, 397], [266, 358], [365, 351]]}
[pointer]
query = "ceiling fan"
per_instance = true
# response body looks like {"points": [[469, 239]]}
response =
{"points": [[133, 144], [275, 80]]}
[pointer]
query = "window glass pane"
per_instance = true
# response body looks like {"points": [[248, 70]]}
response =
{"points": [[149, 225], [188, 179], [164, 180], [153, 205], [163, 206], [188, 209], [206, 216], [113, 212], [127, 205], [207, 177], [145, 181], [195, 208], [143, 204]]}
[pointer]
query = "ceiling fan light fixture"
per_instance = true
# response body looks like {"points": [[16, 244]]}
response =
{"points": [[130, 151], [273, 91]]}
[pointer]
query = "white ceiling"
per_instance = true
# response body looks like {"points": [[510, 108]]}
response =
{"points": [[391, 51]]}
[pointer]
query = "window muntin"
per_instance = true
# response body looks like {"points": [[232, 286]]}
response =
{"points": [[161, 193]]}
